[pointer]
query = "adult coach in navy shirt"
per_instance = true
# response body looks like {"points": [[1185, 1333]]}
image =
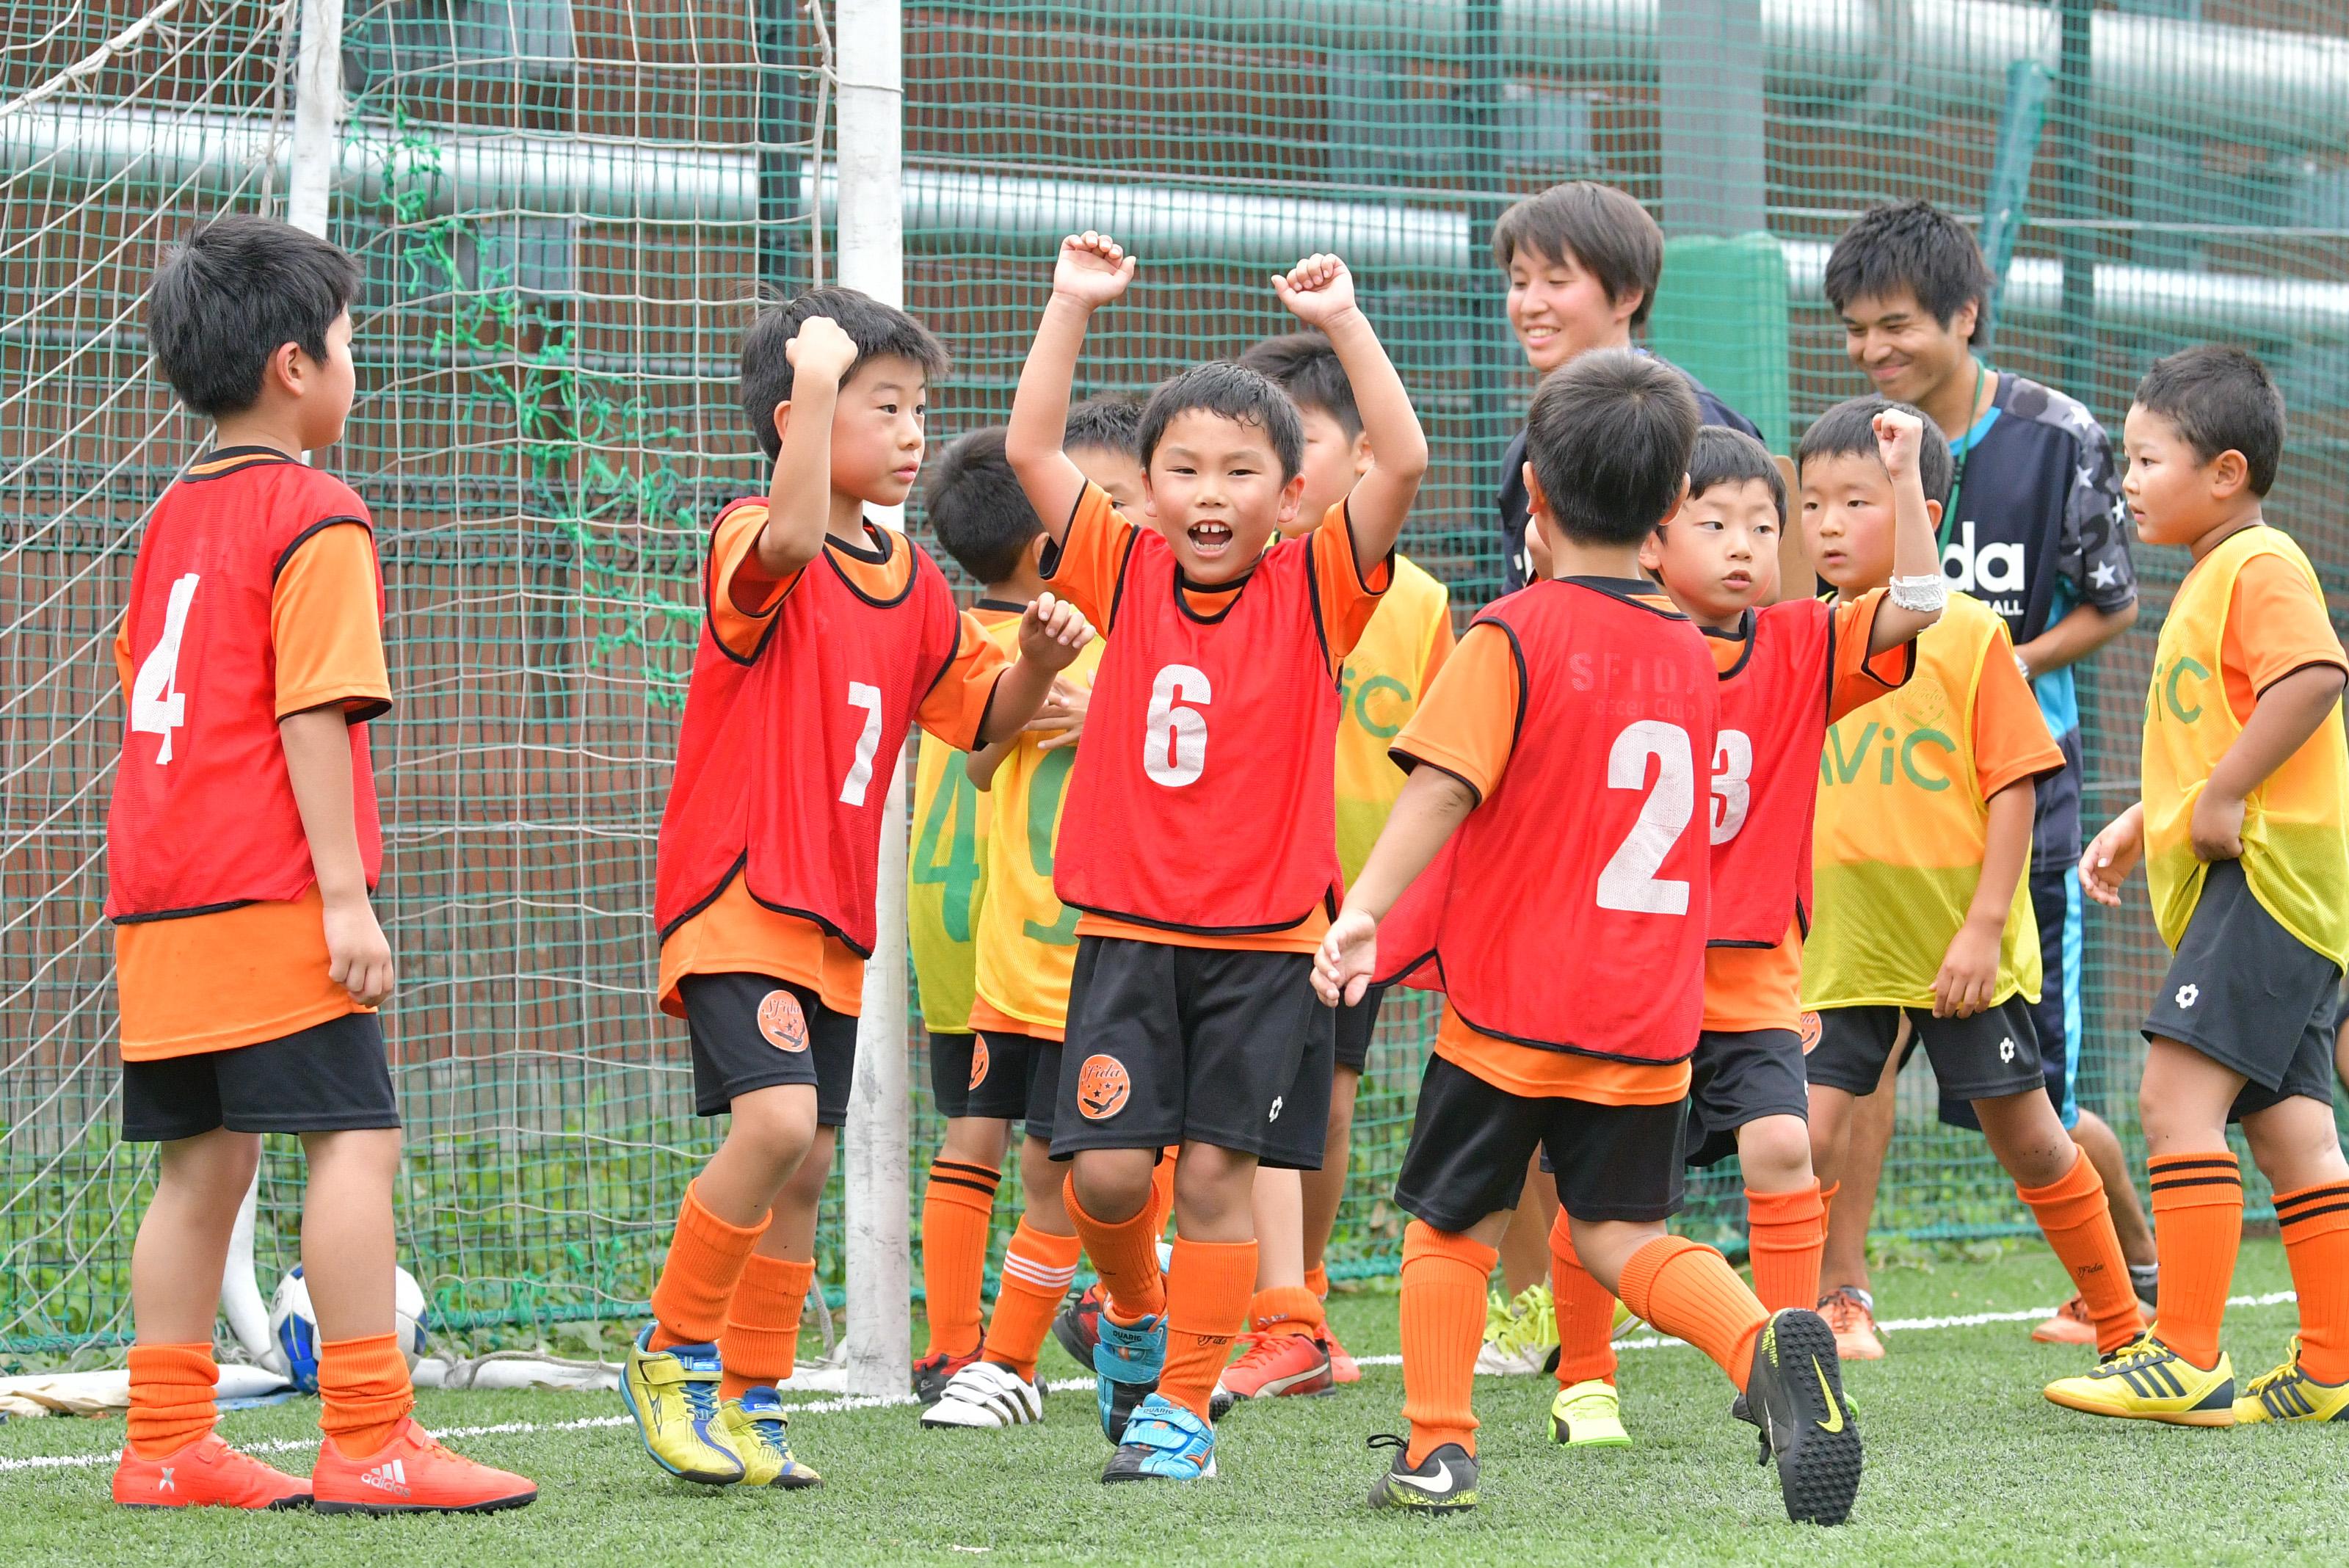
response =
{"points": [[1583, 259], [2035, 528]]}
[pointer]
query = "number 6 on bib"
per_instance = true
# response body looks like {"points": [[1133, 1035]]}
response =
{"points": [[1174, 740]]}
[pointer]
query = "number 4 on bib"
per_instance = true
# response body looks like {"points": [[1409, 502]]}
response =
{"points": [[157, 706]]}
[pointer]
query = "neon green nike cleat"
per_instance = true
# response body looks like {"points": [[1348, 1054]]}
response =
{"points": [[1588, 1414], [1523, 1341], [673, 1394]]}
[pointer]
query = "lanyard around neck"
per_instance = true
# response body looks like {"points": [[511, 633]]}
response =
{"points": [[1958, 474]]}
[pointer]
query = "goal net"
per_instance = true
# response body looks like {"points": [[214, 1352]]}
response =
{"points": [[563, 212]]}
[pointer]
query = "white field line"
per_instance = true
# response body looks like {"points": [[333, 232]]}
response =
{"points": [[1058, 1386]]}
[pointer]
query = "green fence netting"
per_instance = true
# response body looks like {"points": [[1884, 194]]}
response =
{"points": [[564, 208]]}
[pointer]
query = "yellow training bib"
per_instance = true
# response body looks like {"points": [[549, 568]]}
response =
{"points": [[2295, 823], [1382, 683], [1901, 829]]}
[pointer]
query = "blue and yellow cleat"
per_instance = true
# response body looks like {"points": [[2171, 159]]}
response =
{"points": [[2287, 1393], [2147, 1381], [759, 1431], [1163, 1441], [673, 1394], [1126, 1364]]}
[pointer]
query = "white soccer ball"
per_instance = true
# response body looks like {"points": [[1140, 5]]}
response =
{"points": [[294, 1326]]}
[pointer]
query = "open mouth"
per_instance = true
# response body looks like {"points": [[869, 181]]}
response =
{"points": [[1739, 581], [1210, 539]]}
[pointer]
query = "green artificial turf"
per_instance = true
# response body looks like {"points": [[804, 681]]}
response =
{"points": [[1966, 1464]]}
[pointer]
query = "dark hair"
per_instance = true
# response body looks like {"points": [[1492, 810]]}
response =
{"points": [[1305, 366], [1600, 229], [1849, 430], [1912, 245], [1725, 456], [1105, 422], [875, 328], [977, 508], [1234, 392], [2221, 400], [1609, 439], [230, 295]]}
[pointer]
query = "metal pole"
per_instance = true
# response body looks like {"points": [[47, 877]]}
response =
{"points": [[869, 38], [318, 115], [1493, 418], [2076, 170]]}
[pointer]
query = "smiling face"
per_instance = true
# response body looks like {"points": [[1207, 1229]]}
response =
{"points": [[876, 430], [1720, 556], [1897, 342], [1847, 520], [1559, 309], [1215, 492]]}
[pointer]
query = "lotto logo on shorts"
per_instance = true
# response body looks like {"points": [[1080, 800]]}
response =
{"points": [[1103, 1087], [1811, 1031], [979, 1063], [782, 1022]]}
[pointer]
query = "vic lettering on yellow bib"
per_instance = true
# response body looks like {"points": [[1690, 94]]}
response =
{"points": [[2295, 823], [945, 873], [1385, 678], [1903, 822], [1027, 937]]}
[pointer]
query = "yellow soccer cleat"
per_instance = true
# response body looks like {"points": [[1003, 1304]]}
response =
{"points": [[757, 1428], [1588, 1414], [2288, 1394], [673, 1394], [2147, 1381]]}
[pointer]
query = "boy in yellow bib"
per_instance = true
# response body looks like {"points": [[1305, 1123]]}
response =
{"points": [[1289, 1347], [2244, 832], [1919, 856]]}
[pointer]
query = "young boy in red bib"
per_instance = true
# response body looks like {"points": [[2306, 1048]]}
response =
{"points": [[1200, 837], [1555, 771], [825, 636]]}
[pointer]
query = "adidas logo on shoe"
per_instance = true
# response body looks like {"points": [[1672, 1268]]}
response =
{"points": [[391, 1477]]}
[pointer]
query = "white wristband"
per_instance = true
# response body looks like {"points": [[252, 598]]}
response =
{"points": [[1923, 594]]}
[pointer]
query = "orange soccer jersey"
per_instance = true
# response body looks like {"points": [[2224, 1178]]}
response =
{"points": [[1760, 987], [735, 933], [258, 972], [1087, 571]]}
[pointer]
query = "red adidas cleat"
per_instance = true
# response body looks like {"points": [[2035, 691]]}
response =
{"points": [[412, 1474], [207, 1473], [1342, 1361]]}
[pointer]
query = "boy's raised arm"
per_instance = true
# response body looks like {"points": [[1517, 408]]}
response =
{"points": [[798, 496], [1915, 554], [1319, 292], [1093, 269]]}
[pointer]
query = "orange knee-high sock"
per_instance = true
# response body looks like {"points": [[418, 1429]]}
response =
{"points": [[1286, 1309], [761, 1339], [1586, 1313], [1125, 1256], [705, 1259], [2197, 1228], [1037, 1268], [1442, 1314], [2078, 1225], [1207, 1291], [171, 1397], [1690, 1291], [2316, 1225], [1787, 1234], [1317, 1279], [363, 1391], [1162, 1191], [956, 1207]]}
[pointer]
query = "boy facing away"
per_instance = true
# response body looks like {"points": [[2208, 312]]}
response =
{"points": [[825, 635], [1788, 671], [985, 523], [1027, 944], [1199, 840], [2244, 832], [242, 845], [1291, 1348], [1922, 841], [1569, 920]]}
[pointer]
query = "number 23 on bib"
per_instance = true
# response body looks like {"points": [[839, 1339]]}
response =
{"points": [[1577, 903]]}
